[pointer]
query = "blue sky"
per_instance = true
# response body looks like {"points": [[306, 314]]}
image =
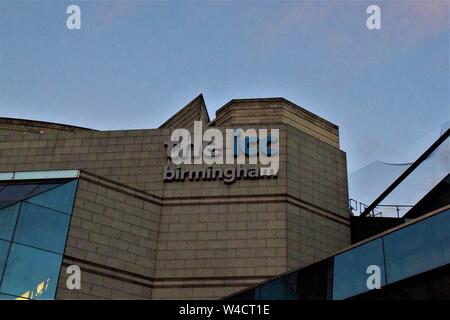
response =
{"points": [[135, 63]]}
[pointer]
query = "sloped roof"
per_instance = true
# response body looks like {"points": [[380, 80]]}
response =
{"points": [[193, 111]]}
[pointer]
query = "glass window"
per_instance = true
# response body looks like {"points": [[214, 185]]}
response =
{"points": [[44, 187], [350, 269], [16, 192], [8, 218], [10, 194], [246, 295], [8, 297], [4, 247], [271, 290], [42, 228], [34, 221], [309, 283], [4, 204], [60, 198], [31, 273], [418, 248], [292, 286]]}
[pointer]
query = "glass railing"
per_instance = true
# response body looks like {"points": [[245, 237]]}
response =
{"points": [[418, 247]]}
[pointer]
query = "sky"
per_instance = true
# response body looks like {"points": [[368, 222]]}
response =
{"points": [[135, 63]]}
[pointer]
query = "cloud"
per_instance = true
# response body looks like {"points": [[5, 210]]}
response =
{"points": [[291, 17], [111, 12], [413, 22], [403, 22]]}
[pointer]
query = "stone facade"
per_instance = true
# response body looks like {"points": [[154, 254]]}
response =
{"points": [[135, 236]]}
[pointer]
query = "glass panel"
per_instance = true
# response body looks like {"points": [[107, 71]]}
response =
{"points": [[43, 188], [309, 283], [350, 269], [16, 192], [271, 290], [8, 218], [6, 175], [30, 175], [4, 204], [4, 247], [292, 286], [42, 228], [366, 184], [7, 297], [31, 273], [418, 248], [60, 198], [246, 295]]}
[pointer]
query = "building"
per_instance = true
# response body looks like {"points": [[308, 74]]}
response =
{"points": [[411, 253], [99, 200], [413, 259]]}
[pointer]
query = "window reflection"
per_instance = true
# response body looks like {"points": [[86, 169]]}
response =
{"points": [[271, 290], [60, 198], [8, 218], [42, 228], [34, 222], [17, 192], [13, 193], [4, 248], [350, 269], [418, 248], [403, 253], [31, 273]]}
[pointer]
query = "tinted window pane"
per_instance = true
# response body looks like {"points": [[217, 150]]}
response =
{"points": [[42, 188], [271, 290], [16, 192], [309, 283], [417, 248], [41, 227], [60, 198], [7, 297], [4, 247], [8, 218], [4, 204], [31, 273], [246, 295], [350, 269], [25, 194]]}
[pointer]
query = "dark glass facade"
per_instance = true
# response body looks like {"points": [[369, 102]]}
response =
{"points": [[401, 254], [34, 222]]}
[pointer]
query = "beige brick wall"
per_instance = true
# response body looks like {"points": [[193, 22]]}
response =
{"points": [[317, 213], [135, 236], [113, 235]]}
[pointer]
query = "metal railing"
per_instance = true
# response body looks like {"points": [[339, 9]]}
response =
{"points": [[385, 210]]}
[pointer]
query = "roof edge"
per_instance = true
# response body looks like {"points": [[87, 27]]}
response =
{"points": [[276, 99], [42, 124], [203, 106]]}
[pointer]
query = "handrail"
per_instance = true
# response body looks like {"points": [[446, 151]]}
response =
{"points": [[407, 172], [360, 207]]}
